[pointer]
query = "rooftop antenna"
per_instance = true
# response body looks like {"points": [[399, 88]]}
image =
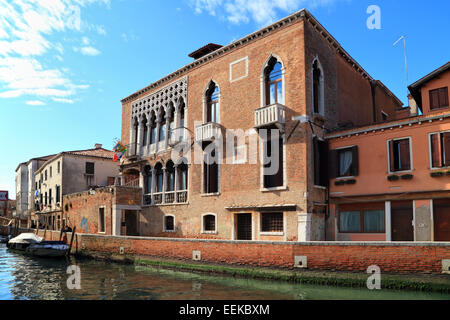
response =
{"points": [[406, 60]]}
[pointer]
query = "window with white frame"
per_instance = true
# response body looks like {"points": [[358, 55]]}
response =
{"points": [[209, 223], [101, 220], [400, 155], [440, 149], [169, 223]]}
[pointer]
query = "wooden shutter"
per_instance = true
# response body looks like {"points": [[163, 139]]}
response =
{"points": [[355, 162], [443, 97], [333, 164], [436, 158], [434, 99], [446, 143], [405, 158], [391, 156]]}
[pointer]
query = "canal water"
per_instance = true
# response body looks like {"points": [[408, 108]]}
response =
{"points": [[27, 278]]}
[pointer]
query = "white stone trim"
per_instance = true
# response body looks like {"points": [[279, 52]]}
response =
{"points": [[246, 69]]}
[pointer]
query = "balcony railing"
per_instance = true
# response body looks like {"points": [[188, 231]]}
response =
{"points": [[169, 197], [274, 114], [182, 196], [158, 198], [166, 198], [207, 131], [133, 183]]}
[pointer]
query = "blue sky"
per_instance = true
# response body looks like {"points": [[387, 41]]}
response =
{"points": [[66, 64]]}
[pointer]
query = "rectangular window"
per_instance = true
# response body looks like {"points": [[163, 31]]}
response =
{"points": [[51, 172], [59, 167], [50, 196], [272, 222], [362, 218], [101, 220], [350, 221], [320, 155], [169, 223], [210, 174], [45, 175], [399, 155], [90, 168], [440, 149], [344, 162], [209, 223], [58, 194], [46, 199], [273, 170], [374, 221], [439, 98]]}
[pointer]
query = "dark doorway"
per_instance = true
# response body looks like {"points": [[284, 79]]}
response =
{"points": [[402, 221], [244, 226], [129, 223], [441, 219]]}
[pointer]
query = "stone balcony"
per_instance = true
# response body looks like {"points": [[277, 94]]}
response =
{"points": [[207, 132], [274, 114]]}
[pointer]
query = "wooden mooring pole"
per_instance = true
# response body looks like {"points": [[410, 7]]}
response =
{"points": [[71, 240]]}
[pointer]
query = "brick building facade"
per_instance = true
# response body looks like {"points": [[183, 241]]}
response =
{"points": [[292, 78]]}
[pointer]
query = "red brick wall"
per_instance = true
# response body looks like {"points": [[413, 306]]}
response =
{"points": [[356, 257]]}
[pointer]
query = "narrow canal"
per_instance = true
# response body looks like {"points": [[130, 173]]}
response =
{"points": [[23, 277]]}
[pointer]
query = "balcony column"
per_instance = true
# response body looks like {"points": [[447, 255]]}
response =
{"points": [[158, 125], [164, 185], [152, 189], [166, 140], [141, 179], [176, 124], [175, 184], [140, 136], [149, 128]]}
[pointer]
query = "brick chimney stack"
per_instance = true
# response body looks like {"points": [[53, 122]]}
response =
{"points": [[98, 146]]}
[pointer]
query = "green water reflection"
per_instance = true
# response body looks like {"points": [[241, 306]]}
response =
{"points": [[23, 277]]}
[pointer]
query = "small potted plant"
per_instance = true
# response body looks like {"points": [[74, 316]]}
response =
{"points": [[393, 177], [407, 177], [339, 182], [436, 174]]}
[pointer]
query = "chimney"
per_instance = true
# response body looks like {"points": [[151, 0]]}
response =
{"points": [[98, 146], [413, 106], [203, 51]]}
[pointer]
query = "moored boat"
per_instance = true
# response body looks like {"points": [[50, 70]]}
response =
{"points": [[48, 249], [34, 245], [23, 241]]}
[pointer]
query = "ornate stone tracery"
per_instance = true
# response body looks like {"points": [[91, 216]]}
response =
{"points": [[154, 110]]}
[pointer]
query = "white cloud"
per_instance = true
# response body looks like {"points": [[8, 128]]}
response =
{"points": [[263, 12], [35, 103], [26, 38], [62, 100], [89, 51]]}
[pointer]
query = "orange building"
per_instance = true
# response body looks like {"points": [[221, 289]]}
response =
{"points": [[391, 181]]}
